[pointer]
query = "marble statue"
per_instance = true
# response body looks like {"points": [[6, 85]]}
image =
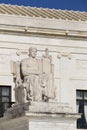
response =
{"points": [[34, 78]]}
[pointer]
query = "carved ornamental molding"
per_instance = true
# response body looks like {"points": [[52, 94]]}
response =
{"points": [[64, 54]]}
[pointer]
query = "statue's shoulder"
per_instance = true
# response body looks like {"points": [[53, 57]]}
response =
{"points": [[24, 60]]}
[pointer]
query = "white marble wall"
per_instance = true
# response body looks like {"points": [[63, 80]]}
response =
{"points": [[69, 53], [69, 58]]}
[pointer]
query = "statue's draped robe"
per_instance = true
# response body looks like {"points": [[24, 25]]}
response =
{"points": [[30, 71], [37, 79]]}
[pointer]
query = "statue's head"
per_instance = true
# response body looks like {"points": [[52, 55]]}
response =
{"points": [[32, 52]]}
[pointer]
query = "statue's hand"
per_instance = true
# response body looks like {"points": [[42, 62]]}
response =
{"points": [[18, 82]]}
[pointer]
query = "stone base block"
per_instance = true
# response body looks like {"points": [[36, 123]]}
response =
{"points": [[37, 107], [35, 121], [39, 116]]}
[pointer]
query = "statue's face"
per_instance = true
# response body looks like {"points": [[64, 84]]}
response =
{"points": [[33, 53]]}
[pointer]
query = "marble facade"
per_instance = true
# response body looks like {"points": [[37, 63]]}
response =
{"points": [[66, 41]]}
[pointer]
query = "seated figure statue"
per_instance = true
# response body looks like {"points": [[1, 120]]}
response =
{"points": [[30, 72], [34, 78]]}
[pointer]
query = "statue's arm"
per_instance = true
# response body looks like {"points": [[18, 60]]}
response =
{"points": [[24, 68]]}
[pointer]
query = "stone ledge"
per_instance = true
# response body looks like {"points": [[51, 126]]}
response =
{"points": [[56, 115], [35, 121], [37, 108]]}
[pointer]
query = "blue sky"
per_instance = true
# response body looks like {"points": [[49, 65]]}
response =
{"points": [[80, 5]]}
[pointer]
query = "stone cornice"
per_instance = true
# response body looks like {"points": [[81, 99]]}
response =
{"points": [[23, 30]]}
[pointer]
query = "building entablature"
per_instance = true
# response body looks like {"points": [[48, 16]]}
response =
{"points": [[40, 21]]}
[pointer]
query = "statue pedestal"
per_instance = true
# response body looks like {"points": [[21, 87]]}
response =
{"points": [[39, 118]]}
